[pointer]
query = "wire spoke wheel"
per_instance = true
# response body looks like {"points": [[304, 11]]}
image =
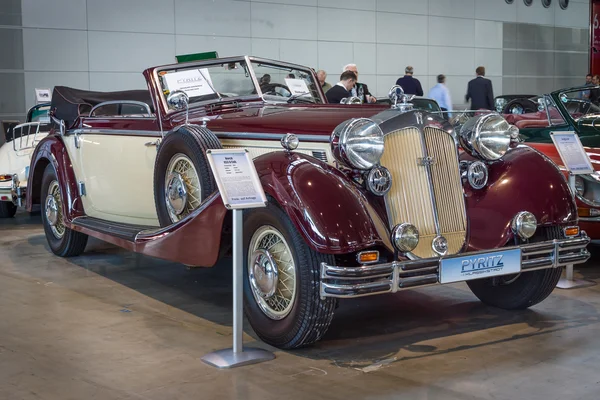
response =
{"points": [[53, 210], [272, 272], [183, 188]]}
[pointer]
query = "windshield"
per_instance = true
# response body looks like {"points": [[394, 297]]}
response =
{"points": [[233, 81], [581, 102]]}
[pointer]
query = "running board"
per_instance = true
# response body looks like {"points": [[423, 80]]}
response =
{"points": [[115, 229]]}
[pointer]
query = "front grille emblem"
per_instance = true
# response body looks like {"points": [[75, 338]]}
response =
{"points": [[425, 161]]}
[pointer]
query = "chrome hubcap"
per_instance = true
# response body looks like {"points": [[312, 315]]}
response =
{"points": [[182, 187], [272, 272], [263, 275], [53, 210]]}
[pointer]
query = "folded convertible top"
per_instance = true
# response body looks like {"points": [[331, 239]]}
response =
{"points": [[69, 103]]}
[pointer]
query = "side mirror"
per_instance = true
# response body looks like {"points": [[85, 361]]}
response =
{"points": [[179, 100]]}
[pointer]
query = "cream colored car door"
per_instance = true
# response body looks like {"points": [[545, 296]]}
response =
{"points": [[115, 172]]}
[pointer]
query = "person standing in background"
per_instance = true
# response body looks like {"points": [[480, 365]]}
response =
{"points": [[409, 84], [480, 91], [441, 94], [595, 93], [359, 90], [588, 82], [322, 76], [341, 90]]}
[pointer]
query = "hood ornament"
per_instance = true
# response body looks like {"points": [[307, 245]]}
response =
{"points": [[399, 99]]}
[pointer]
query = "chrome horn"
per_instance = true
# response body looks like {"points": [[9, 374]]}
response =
{"points": [[400, 100], [351, 100], [179, 100]]}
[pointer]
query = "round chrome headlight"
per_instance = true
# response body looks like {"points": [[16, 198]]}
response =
{"points": [[379, 180], [405, 237], [500, 103], [524, 224], [579, 186], [358, 143], [477, 175], [486, 136]]}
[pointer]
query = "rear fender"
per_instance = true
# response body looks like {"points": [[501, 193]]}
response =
{"points": [[525, 180], [329, 210], [52, 150]]}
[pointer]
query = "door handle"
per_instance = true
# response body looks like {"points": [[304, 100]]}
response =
{"points": [[150, 144]]}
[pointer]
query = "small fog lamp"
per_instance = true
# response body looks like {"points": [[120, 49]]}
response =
{"points": [[405, 237], [524, 224]]}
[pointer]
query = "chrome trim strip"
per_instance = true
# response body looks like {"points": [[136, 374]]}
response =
{"points": [[119, 102], [366, 280], [427, 166], [590, 219], [94, 131]]}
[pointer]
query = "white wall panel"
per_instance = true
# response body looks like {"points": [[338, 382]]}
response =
{"points": [[299, 51], [208, 17], [535, 13], [333, 56], [385, 82], [78, 80], [61, 14], [296, 2], [114, 81], [268, 48], [401, 28], [393, 58], [491, 59], [451, 60], [129, 52], [224, 46], [489, 34], [404, 6], [369, 5], [370, 81], [496, 10], [457, 85], [153, 16], [365, 57], [577, 15], [55, 50], [283, 21], [346, 25], [451, 32], [452, 8]]}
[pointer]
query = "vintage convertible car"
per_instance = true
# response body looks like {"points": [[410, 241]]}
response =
{"points": [[15, 157], [516, 103], [361, 200]]}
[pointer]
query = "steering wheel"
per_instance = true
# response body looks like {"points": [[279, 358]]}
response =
{"points": [[269, 88], [520, 106]]}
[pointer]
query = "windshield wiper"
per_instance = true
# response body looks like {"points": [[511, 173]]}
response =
{"points": [[298, 96]]}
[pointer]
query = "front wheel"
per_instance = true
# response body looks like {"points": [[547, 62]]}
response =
{"points": [[7, 209], [281, 281], [517, 292], [63, 241]]}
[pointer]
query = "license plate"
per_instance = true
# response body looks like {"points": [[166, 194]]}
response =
{"points": [[482, 265]]}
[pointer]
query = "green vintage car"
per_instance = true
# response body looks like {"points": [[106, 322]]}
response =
{"points": [[562, 110]]}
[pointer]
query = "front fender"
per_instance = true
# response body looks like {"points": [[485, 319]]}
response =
{"points": [[525, 180], [330, 211], [52, 150]]}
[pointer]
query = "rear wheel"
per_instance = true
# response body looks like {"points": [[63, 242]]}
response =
{"points": [[63, 241], [7, 209], [520, 291], [281, 281]]}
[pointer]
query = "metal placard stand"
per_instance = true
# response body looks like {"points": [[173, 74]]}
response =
{"points": [[240, 189], [577, 162]]}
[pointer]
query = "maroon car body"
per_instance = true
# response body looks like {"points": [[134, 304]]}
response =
{"points": [[336, 224]]}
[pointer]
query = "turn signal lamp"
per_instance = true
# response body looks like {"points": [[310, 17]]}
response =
{"points": [[368, 257], [5, 178], [588, 212], [571, 231]]}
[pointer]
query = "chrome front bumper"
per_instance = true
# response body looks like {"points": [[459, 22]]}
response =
{"points": [[367, 280]]}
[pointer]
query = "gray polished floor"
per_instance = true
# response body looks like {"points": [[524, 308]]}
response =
{"points": [[115, 325]]}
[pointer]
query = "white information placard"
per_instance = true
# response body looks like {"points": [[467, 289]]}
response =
{"points": [[297, 86], [193, 82], [572, 153], [43, 95], [236, 178]]}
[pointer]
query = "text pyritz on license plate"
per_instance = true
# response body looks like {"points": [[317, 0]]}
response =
{"points": [[477, 266]]}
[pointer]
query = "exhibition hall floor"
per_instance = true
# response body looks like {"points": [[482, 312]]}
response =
{"points": [[115, 325]]}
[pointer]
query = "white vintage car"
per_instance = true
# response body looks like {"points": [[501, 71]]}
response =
{"points": [[15, 157]]}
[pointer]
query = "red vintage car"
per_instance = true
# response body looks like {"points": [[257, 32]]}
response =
{"points": [[361, 200], [587, 189]]}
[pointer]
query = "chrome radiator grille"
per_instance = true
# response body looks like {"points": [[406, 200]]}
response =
{"points": [[422, 197]]}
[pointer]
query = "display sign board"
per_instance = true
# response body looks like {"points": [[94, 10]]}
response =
{"points": [[43, 95], [194, 82], [572, 153], [236, 178], [480, 265], [297, 86]]}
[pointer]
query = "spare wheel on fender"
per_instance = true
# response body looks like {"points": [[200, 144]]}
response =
{"points": [[182, 175]]}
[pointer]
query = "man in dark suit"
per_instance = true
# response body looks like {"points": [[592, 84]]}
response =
{"points": [[341, 90], [409, 84], [480, 91]]}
